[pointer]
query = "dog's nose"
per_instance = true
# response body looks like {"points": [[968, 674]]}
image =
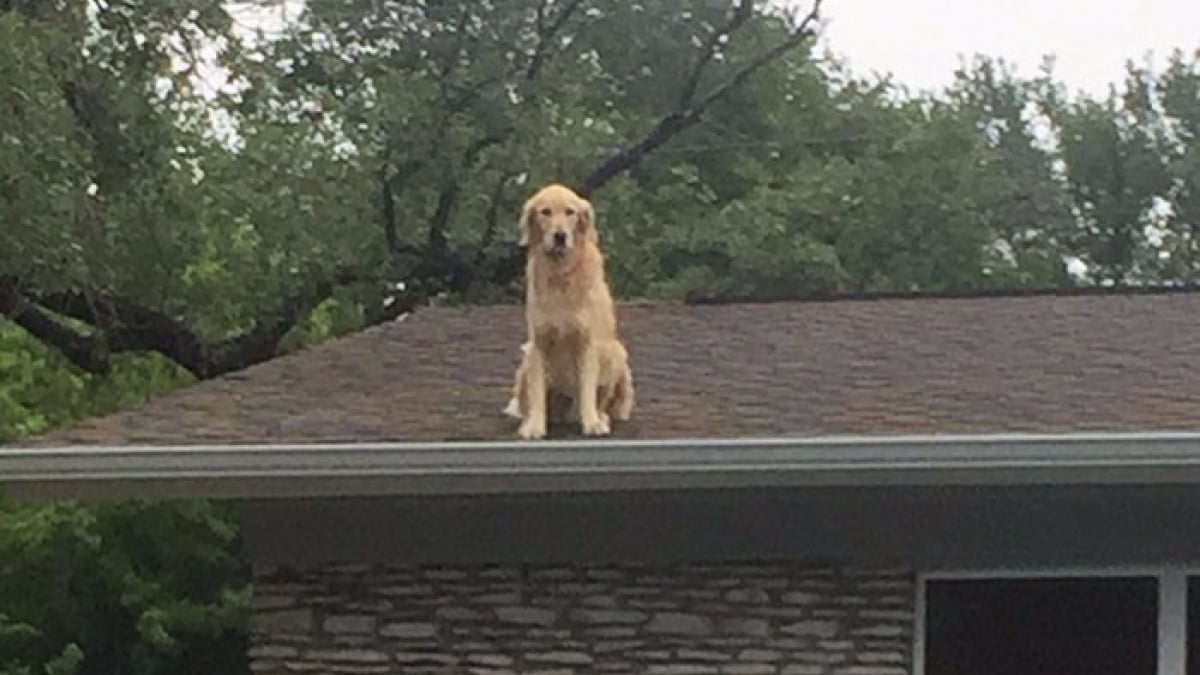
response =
{"points": [[560, 239]]}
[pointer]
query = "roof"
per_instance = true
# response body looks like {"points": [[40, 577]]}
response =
{"points": [[1042, 363]]}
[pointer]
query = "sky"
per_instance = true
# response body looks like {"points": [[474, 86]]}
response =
{"points": [[921, 41]]}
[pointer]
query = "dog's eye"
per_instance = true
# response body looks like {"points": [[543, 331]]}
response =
{"points": [[570, 212], [546, 212]]}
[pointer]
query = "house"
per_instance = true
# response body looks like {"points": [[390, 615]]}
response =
{"points": [[925, 486]]}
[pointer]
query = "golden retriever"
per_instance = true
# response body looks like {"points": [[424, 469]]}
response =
{"points": [[614, 401], [572, 349]]}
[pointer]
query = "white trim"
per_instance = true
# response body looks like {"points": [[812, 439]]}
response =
{"points": [[1172, 602], [1172, 622], [918, 658]]}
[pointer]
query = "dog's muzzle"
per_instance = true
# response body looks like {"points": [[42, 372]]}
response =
{"points": [[558, 245]]}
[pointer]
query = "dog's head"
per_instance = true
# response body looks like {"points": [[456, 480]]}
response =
{"points": [[556, 221]]}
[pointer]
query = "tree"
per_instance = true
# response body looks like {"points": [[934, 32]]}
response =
{"points": [[1177, 104], [389, 140], [128, 588], [1021, 196]]}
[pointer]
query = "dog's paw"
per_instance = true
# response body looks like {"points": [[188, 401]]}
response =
{"points": [[531, 432], [513, 409], [597, 427]]}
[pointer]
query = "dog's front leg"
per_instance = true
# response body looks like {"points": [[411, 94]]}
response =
{"points": [[593, 424], [534, 424]]}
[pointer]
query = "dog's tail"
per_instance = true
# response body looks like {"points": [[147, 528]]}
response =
{"points": [[513, 409], [623, 396]]}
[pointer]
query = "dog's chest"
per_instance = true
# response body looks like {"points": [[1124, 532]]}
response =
{"points": [[567, 333]]}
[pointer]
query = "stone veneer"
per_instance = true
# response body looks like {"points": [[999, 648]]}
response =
{"points": [[785, 619]]}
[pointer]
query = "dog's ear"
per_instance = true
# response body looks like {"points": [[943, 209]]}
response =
{"points": [[587, 220], [527, 222]]}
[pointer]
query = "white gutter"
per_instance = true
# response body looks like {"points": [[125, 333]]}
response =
{"points": [[315, 470]]}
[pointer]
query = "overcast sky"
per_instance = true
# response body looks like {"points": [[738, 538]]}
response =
{"points": [[920, 41]]}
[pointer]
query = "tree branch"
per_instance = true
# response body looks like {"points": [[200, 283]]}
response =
{"points": [[262, 342], [739, 15], [387, 200], [126, 326], [122, 325], [84, 351], [801, 33], [547, 33], [631, 156], [437, 260], [507, 267], [392, 182], [491, 220], [443, 70], [691, 109], [447, 199]]}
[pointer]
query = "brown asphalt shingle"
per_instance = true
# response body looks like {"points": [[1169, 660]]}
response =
{"points": [[1039, 363]]}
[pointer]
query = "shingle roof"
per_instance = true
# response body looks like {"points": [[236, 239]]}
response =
{"points": [[898, 366]]}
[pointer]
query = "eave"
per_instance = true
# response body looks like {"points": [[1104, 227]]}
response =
{"points": [[509, 467]]}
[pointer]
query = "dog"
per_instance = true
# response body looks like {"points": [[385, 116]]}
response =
{"points": [[573, 349], [614, 402]]}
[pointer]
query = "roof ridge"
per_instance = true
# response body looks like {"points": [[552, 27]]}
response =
{"points": [[944, 294], [769, 298]]}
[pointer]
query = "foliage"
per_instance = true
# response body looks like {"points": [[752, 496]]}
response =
{"points": [[39, 389], [120, 588]]}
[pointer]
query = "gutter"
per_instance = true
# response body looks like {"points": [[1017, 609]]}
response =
{"points": [[512, 467]]}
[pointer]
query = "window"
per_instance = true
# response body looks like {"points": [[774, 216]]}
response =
{"points": [[1041, 626]]}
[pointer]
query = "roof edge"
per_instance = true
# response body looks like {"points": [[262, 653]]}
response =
{"points": [[243, 472], [703, 298]]}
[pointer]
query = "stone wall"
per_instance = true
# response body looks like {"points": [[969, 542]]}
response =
{"points": [[683, 620]]}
